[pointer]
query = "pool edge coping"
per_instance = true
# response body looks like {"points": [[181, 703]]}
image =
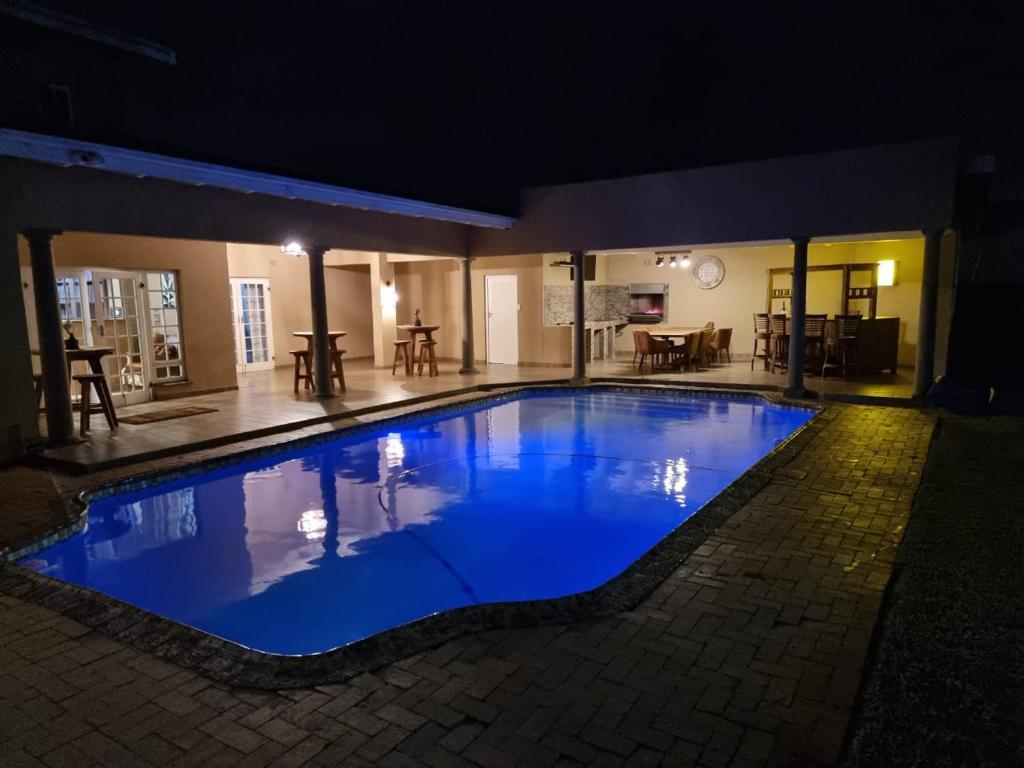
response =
{"points": [[229, 662]]}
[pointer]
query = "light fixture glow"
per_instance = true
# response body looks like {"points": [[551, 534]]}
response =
{"points": [[686, 261], [887, 272], [660, 261], [294, 248], [672, 262], [388, 296]]}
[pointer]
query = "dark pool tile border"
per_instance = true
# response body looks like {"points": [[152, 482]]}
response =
{"points": [[230, 663]]}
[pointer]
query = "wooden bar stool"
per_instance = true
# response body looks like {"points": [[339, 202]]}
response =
{"points": [[337, 371], [427, 356], [303, 369], [402, 351], [88, 381]]}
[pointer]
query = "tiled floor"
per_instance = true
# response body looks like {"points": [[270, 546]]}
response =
{"points": [[750, 654], [265, 402]]}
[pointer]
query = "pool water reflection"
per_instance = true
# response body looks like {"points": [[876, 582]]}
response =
{"points": [[545, 495]]}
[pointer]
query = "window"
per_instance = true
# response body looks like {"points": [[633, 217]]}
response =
{"points": [[165, 326], [69, 298]]}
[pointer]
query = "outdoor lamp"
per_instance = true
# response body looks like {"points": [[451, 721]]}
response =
{"points": [[886, 273], [388, 296], [294, 248]]}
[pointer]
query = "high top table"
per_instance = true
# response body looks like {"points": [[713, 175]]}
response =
{"points": [[332, 336], [413, 330]]}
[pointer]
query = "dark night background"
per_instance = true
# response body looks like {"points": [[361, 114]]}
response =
{"points": [[467, 102]]}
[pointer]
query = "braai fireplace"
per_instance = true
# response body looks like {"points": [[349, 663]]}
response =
{"points": [[648, 302]]}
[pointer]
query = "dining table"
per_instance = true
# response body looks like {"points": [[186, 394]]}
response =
{"points": [[414, 330], [670, 333]]}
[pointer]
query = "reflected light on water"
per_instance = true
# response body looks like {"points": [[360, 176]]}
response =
{"points": [[313, 523], [394, 451], [670, 478]]}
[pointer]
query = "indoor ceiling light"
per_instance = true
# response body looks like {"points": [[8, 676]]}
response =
{"points": [[686, 260], [660, 261], [672, 262]]}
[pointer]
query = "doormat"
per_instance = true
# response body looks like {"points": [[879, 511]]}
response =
{"points": [[165, 415]]}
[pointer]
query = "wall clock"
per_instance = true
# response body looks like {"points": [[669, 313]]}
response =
{"points": [[708, 272]]}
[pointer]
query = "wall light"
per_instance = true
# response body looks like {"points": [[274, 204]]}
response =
{"points": [[294, 248], [388, 296], [886, 273], [660, 261]]}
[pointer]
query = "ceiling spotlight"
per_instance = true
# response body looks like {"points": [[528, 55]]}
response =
{"points": [[294, 248], [672, 262], [686, 261], [660, 261]]}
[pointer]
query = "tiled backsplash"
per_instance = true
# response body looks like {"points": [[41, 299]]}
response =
{"points": [[603, 302]]}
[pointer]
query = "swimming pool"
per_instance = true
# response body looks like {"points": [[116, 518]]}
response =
{"points": [[527, 497]]}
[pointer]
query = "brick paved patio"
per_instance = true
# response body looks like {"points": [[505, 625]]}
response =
{"points": [[749, 654]]}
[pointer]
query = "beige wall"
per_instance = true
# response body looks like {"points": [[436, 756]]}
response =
{"points": [[435, 289], [348, 297], [205, 308], [744, 288]]}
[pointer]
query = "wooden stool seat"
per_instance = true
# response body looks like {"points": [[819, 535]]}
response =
{"points": [[402, 351], [97, 381], [337, 371], [303, 369], [428, 356]]}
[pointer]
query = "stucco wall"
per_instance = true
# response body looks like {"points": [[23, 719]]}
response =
{"points": [[348, 297], [205, 308]]}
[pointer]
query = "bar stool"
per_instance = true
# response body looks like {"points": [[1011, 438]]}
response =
{"points": [[779, 342], [337, 371], [427, 356], [88, 381], [402, 351], [841, 348], [303, 369], [762, 332]]}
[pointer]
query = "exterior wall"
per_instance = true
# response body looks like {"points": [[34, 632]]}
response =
{"points": [[19, 425], [205, 307], [744, 289], [892, 188], [348, 297]]}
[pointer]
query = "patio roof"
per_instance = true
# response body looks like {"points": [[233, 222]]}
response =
{"points": [[56, 150]]}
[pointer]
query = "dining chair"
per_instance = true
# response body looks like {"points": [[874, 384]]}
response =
{"points": [[652, 347], [706, 337], [762, 333], [720, 343]]}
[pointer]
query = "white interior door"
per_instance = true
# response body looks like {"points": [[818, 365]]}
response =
{"points": [[502, 319], [115, 314], [254, 336]]}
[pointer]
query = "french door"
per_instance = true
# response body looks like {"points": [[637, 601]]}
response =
{"points": [[250, 313], [117, 320]]}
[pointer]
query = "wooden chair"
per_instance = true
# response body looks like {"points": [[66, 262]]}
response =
{"points": [[720, 343], [692, 351], [303, 369], [636, 346], [97, 381], [337, 369], [402, 351], [652, 347], [762, 333], [814, 338], [779, 346], [841, 345], [427, 356], [706, 337]]}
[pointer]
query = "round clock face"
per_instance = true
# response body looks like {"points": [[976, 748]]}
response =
{"points": [[708, 272]]}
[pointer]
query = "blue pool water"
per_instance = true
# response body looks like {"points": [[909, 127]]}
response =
{"points": [[545, 495]]}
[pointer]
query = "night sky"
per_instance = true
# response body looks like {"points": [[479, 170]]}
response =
{"points": [[467, 102]]}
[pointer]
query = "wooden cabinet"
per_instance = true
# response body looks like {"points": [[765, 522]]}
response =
{"points": [[878, 343]]}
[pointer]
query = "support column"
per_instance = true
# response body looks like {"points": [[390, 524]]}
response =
{"points": [[924, 368], [798, 304], [383, 296], [468, 353], [579, 358], [59, 422], [318, 306]]}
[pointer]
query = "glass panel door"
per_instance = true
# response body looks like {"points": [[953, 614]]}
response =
{"points": [[250, 310], [117, 321]]}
